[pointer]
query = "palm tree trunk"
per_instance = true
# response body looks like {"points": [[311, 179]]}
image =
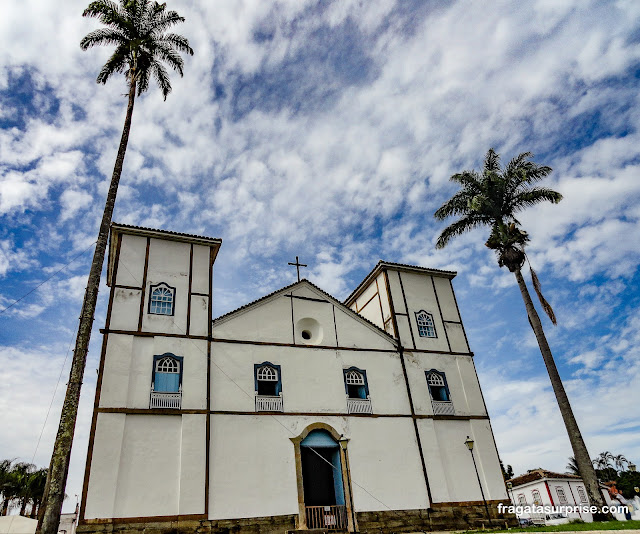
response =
{"points": [[580, 453], [58, 470]]}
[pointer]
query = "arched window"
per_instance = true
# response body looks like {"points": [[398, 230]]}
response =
{"points": [[426, 326], [161, 299], [438, 386], [267, 379], [167, 373], [355, 383]]}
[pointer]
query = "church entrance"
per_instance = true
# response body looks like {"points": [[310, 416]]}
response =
{"points": [[322, 482]]}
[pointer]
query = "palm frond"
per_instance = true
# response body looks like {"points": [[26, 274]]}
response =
{"points": [[116, 63], [533, 196], [107, 12], [164, 21], [458, 228], [458, 204], [179, 42], [102, 36], [543, 302], [162, 78], [470, 179], [170, 56]]}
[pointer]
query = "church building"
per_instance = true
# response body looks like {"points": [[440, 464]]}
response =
{"points": [[296, 411]]}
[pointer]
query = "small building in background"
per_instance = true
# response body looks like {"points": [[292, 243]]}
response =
{"points": [[546, 488]]}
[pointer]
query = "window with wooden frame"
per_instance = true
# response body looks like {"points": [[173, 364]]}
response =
{"points": [[161, 299], [355, 383], [166, 381], [426, 326], [561, 495], [537, 499], [582, 494], [267, 379], [438, 388]]}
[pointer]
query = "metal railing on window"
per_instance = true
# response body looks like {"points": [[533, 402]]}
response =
{"points": [[359, 405], [327, 517], [268, 403], [443, 408], [164, 399]]}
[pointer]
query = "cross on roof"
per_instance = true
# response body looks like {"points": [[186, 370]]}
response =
{"points": [[298, 265]]}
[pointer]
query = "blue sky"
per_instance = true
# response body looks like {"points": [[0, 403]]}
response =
{"points": [[329, 130]]}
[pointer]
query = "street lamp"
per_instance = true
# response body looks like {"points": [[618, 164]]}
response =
{"points": [[343, 445], [469, 443], [632, 466]]}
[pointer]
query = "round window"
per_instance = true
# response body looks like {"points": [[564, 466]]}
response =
{"points": [[309, 331]]}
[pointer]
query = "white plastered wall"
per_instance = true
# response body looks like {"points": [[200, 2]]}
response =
{"points": [[168, 263], [462, 381], [128, 370], [147, 465], [383, 459], [452, 476], [281, 319], [312, 379]]}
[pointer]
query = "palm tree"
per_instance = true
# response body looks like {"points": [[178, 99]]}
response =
{"points": [[619, 461], [6, 467], [137, 28], [572, 467], [493, 198], [36, 487]]}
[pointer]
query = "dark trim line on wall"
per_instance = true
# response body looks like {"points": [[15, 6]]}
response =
{"points": [[96, 402], [144, 284], [452, 322], [404, 298], [196, 294], [293, 325], [207, 457], [306, 298], [459, 316], [273, 343], [435, 292], [172, 412], [118, 286], [151, 334], [189, 290]]}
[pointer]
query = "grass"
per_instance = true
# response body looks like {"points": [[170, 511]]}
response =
{"points": [[599, 525]]}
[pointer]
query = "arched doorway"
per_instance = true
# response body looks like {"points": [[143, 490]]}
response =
{"points": [[323, 490]]}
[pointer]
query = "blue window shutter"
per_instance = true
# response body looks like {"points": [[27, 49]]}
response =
{"points": [[167, 382]]}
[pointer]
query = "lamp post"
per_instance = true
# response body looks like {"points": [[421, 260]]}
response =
{"points": [[469, 443], [632, 466], [343, 445], [510, 492]]}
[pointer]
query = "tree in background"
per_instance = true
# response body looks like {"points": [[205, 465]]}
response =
{"points": [[138, 29], [21, 484], [493, 198]]}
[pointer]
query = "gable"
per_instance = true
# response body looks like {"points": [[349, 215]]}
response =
{"points": [[301, 314]]}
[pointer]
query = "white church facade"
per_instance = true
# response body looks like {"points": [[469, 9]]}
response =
{"points": [[294, 412]]}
